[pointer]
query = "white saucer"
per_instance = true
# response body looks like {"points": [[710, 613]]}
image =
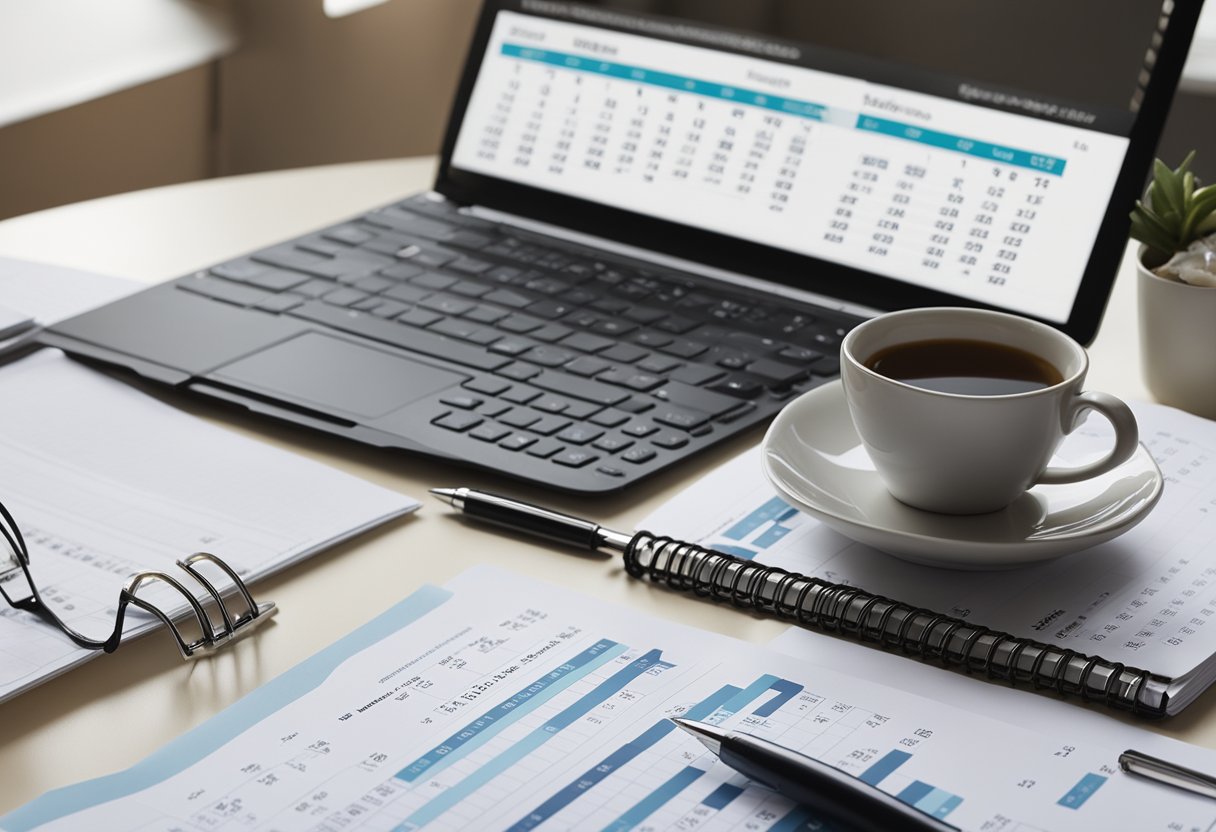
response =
{"points": [[813, 457]]}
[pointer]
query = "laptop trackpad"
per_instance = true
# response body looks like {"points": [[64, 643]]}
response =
{"points": [[335, 376]]}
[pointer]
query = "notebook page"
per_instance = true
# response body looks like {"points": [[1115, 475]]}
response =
{"points": [[104, 481], [1147, 598]]}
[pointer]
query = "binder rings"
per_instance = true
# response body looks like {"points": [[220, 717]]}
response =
{"points": [[851, 611]]}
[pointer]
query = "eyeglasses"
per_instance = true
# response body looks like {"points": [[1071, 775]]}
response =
{"points": [[223, 590]]}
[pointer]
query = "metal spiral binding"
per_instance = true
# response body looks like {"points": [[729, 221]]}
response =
{"points": [[819, 604]]}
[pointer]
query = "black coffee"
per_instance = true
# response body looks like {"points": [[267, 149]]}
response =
{"points": [[966, 367]]}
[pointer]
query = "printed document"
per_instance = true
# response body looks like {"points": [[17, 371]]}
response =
{"points": [[503, 703], [105, 481]]}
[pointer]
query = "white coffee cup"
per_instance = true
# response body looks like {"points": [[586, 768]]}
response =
{"points": [[970, 454]]}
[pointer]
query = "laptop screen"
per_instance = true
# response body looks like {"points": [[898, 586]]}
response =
{"points": [[955, 162]]}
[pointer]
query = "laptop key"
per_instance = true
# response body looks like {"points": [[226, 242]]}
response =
{"points": [[457, 421], [517, 442], [391, 332], [373, 284], [520, 394], [548, 425], [639, 455], [431, 280], [580, 434], [505, 297], [344, 297], [224, 290], [447, 304], [388, 308], [696, 398], [579, 388], [776, 373], [670, 441], [469, 289], [631, 379], [239, 270], [549, 356], [470, 265], [585, 342], [352, 235], [575, 457], [679, 417], [625, 353], [489, 432], [520, 324], [401, 271], [279, 303], [488, 385], [277, 280], [519, 371], [696, 374], [551, 333], [419, 318], [612, 443], [405, 293], [610, 418], [544, 448]]}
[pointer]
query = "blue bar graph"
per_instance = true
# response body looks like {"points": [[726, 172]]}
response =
{"points": [[614, 761], [949, 806], [786, 691], [655, 800], [933, 802], [772, 536], [914, 791], [1081, 792], [682, 779], [721, 797], [511, 709], [797, 818], [877, 772], [929, 799], [769, 512], [534, 740]]}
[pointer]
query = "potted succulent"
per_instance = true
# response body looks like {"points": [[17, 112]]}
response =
{"points": [[1176, 222]]}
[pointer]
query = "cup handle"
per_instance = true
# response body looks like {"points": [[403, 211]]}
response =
{"points": [[1127, 437]]}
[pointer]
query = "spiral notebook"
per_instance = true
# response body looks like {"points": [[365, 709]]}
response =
{"points": [[1131, 622]]}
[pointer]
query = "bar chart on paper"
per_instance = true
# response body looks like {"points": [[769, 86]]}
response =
{"points": [[494, 704]]}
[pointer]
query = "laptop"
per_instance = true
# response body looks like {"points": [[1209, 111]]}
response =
{"points": [[654, 221]]}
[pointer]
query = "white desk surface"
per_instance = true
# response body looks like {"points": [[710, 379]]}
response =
{"points": [[117, 709]]}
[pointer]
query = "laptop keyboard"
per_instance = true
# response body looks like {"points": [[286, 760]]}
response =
{"points": [[586, 371]]}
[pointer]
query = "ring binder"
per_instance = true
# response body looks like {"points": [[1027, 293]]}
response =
{"points": [[813, 602], [233, 624]]}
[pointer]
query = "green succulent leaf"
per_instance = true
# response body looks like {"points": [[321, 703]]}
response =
{"points": [[1175, 210]]}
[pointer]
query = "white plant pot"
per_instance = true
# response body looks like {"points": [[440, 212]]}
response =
{"points": [[1178, 342]]}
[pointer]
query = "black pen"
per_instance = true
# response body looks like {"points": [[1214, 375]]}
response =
{"points": [[831, 793], [542, 522]]}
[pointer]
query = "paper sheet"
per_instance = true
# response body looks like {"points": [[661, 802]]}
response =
{"points": [[104, 481], [501, 703], [1147, 599]]}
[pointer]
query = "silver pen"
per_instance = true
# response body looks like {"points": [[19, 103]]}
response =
{"points": [[1171, 774], [832, 794]]}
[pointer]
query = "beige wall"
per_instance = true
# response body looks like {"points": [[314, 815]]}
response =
{"points": [[303, 89], [150, 135]]}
